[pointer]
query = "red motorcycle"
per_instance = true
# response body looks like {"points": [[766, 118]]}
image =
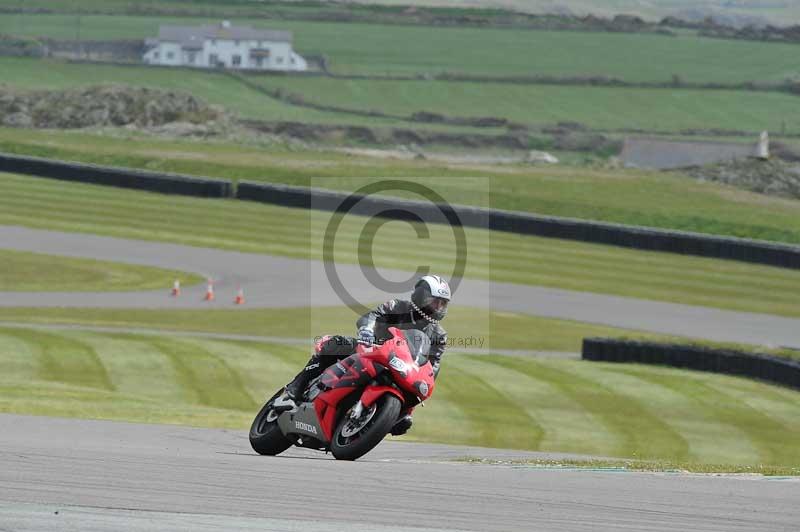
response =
{"points": [[351, 407]]}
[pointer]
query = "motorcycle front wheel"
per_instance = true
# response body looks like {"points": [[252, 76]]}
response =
{"points": [[355, 438], [265, 435]]}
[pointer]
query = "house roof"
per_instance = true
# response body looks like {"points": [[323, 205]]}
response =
{"points": [[193, 36]]}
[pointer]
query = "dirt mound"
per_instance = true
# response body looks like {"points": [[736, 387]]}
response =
{"points": [[101, 105], [774, 177]]}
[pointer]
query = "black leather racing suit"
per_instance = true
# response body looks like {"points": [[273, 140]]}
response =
{"points": [[401, 314], [394, 313]]}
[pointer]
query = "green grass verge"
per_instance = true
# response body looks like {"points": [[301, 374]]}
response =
{"points": [[629, 197], [489, 329], [379, 49], [496, 330], [36, 272], [253, 227], [639, 466], [537, 404], [605, 108]]}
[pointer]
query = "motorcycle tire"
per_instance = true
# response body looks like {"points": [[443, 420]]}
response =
{"points": [[388, 408], [265, 436]]}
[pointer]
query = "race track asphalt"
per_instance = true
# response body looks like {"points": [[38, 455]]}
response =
{"points": [[270, 281], [90, 476]]}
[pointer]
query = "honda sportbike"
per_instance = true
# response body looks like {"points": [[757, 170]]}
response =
{"points": [[354, 403]]}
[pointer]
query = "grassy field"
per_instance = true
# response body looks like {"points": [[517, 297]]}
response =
{"points": [[664, 110], [658, 110], [568, 406], [214, 88], [246, 226], [211, 87], [496, 330], [606, 108], [35, 272], [629, 197], [778, 13], [378, 49]]}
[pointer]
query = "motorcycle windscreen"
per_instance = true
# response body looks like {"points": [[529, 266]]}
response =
{"points": [[419, 345]]}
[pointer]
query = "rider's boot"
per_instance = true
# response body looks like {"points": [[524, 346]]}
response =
{"points": [[402, 425]]}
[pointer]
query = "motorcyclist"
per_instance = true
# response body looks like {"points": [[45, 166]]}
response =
{"points": [[425, 310]]}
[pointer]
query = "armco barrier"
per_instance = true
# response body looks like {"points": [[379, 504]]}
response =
{"points": [[764, 367], [116, 177], [755, 251]]}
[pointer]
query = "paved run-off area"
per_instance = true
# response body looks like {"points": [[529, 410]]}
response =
{"points": [[92, 475]]}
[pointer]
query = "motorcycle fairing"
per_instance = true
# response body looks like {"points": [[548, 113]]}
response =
{"points": [[347, 373], [303, 422], [337, 382], [372, 393]]}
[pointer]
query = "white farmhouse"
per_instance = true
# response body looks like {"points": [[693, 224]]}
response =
{"points": [[223, 45]]}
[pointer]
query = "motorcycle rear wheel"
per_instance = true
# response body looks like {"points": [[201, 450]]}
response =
{"points": [[265, 435], [359, 444]]}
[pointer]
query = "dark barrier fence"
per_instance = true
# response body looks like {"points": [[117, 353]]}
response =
{"points": [[116, 177], [760, 252], [759, 366]]}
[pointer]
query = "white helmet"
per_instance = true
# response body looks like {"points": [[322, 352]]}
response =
{"points": [[431, 296]]}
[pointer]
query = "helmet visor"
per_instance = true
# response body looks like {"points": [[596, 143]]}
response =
{"points": [[438, 305]]}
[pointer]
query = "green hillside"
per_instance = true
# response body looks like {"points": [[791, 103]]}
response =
{"points": [[605, 108], [212, 87]]}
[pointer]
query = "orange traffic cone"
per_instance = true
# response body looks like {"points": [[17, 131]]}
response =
{"points": [[209, 291], [176, 288], [239, 297]]}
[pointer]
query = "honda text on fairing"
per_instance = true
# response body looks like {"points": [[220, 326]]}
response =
{"points": [[351, 407]]}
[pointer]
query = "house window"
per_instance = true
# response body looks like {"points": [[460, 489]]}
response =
{"points": [[280, 60], [155, 55], [213, 42], [191, 57], [259, 61], [236, 43], [170, 55], [291, 60], [237, 60], [213, 60]]}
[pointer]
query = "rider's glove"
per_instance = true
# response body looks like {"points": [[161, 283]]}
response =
{"points": [[366, 336]]}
